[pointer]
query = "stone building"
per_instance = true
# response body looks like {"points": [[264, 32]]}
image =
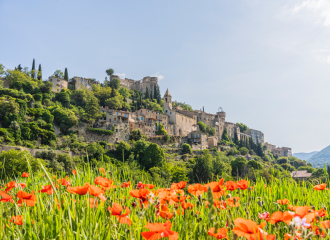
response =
{"points": [[270, 147], [279, 152], [212, 141], [182, 122], [216, 121], [141, 85], [301, 175], [58, 83], [256, 134], [83, 83], [198, 140], [232, 129]]}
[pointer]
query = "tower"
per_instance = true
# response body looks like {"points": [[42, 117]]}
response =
{"points": [[167, 100]]}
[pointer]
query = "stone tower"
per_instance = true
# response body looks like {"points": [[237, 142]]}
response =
{"points": [[167, 100]]}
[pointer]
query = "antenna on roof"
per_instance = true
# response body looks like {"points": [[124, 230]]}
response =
{"points": [[220, 109]]}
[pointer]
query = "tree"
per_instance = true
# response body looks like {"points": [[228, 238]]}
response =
{"points": [[202, 170], [159, 97], [288, 167], [153, 157], [236, 138], [139, 148], [66, 75], [239, 167], [115, 84], [19, 68], [39, 74], [178, 174], [220, 165], [225, 135], [242, 127], [186, 148], [109, 72], [58, 73], [161, 130], [259, 150], [136, 135], [63, 97], [33, 69], [93, 107], [124, 92], [155, 92], [254, 164], [146, 96], [2, 69], [123, 150], [115, 102], [243, 150]]}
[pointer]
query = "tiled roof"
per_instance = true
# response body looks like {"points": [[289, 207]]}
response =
{"points": [[300, 174]]}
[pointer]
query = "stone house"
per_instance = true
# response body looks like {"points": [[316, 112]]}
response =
{"points": [[140, 85], [270, 146], [198, 140], [212, 141], [83, 83], [282, 152], [232, 129], [301, 175], [58, 84], [257, 136], [181, 121]]}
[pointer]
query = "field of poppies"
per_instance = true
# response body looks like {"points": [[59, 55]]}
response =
{"points": [[105, 203]]}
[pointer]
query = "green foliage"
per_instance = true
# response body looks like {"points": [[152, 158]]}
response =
{"points": [[93, 108], [161, 130], [123, 148], [100, 131], [109, 71], [288, 167], [136, 135], [239, 166], [115, 102], [95, 150], [115, 83], [242, 127], [16, 94], [206, 129], [102, 93], [243, 151], [58, 73], [254, 164], [14, 162], [202, 170], [225, 135], [79, 97], [220, 165], [184, 106], [64, 117], [63, 97], [124, 92], [186, 148], [153, 157], [178, 174], [139, 149], [233, 151]]}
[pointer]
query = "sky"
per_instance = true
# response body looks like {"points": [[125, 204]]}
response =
{"points": [[265, 62]]}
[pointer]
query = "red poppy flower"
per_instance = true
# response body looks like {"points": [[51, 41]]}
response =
{"points": [[18, 220], [47, 189], [243, 184], [74, 172], [321, 187], [104, 182], [179, 185], [283, 202], [125, 184], [160, 230], [81, 190], [196, 189], [143, 194], [29, 198], [102, 170], [23, 185], [10, 186], [97, 192], [216, 187], [250, 230], [64, 182], [281, 217], [117, 211], [231, 185], [5, 197], [221, 233], [25, 174]]}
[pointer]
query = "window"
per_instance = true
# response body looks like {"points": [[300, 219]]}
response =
{"points": [[125, 115], [166, 111], [198, 135], [149, 115], [117, 113], [141, 118], [194, 135]]}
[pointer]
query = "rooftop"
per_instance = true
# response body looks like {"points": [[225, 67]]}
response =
{"points": [[300, 174]]}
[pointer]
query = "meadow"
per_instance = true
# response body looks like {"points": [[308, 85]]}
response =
{"points": [[108, 203]]}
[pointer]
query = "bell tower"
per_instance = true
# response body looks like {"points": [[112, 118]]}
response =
{"points": [[167, 100]]}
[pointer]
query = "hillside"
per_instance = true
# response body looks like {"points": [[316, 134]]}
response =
{"points": [[305, 156], [321, 158]]}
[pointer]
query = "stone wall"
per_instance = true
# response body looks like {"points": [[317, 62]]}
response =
{"points": [[5, 83], [161, 141], [141, 85], [30, 150]]}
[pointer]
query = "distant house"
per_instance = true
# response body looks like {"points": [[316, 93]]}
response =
{"points": [[301, 175]]}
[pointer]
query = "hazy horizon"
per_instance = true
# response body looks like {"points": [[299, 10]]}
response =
{"points": [[266, 63]]}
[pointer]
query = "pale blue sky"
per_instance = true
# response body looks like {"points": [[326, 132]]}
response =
{"points": [[266, 62]]}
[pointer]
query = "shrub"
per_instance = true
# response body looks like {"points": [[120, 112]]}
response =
{"points": [[186, 148], [15, 162], [100, 131], [244, 150]]}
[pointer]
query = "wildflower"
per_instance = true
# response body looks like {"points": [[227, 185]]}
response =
{"points": [[283, 202], [165, 212], [187, 205], [93, 203], [64, 182], [264, 216], [321, 187], [142, 194], [243, 184], [104, 182], [281, 217], [74, 172], [250, 230], [231, 185], [232, 202], [125, 184], [221, 233], [18, 220], [29, 199], [47, 189], [122, 216], [303, 212], [216, 187], [102, 170], [160, 230], [301, 222], [196, 189], [81, 190], [23, 185], [179, 185], [25, 174], [97, 192], [10, 186], [325, 224], [5, 197]]}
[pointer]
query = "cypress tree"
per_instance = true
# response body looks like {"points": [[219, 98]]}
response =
{"points": [[66, 75], [39, 73], [155, 92], [247, 143], [236, 138], [147, 94], [151, 95], [140, 105], [19, 68], [33, 69], [159, 98], [225, 135]]}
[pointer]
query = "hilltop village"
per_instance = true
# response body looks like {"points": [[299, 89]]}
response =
{"points": [[122, 120]]}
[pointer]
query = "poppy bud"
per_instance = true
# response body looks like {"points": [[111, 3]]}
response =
{"points": [[325, 208], [229, 195], [133, 204], [235, 237], [260, 203], [291, 226], [318, 218], [313, 207], [127, 231]]}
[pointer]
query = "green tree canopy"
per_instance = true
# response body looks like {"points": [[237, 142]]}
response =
{"points": [[153, 157]]}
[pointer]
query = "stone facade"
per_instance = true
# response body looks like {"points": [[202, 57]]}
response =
{"points": [[182, 122], [140, 85], [83, 83], [198, 140], [212, 141], [32, 151], [232, 129], [256, 134], [58, 84], [270, 147], [5, 83]]}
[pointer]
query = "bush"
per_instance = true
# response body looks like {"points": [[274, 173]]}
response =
{"points": [[254, 164], [186, 148], [153, 157], [136, 135], [243, 151], [14, 162], [239, 166], [100, 131]]}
